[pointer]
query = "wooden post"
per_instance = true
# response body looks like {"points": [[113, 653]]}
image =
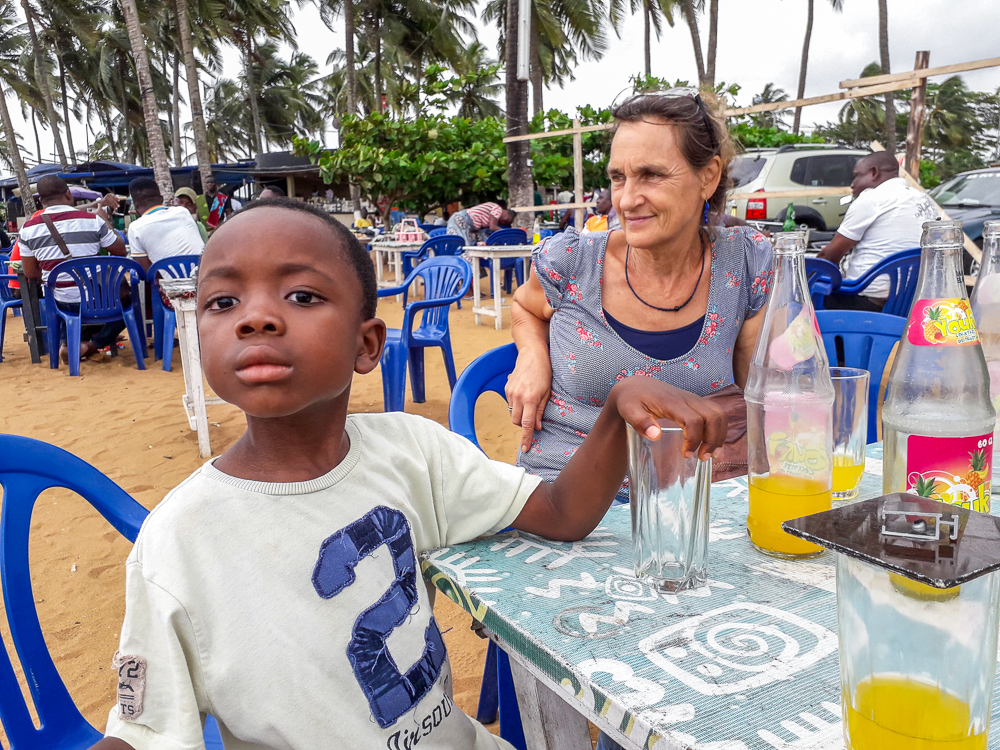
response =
{"points": [[914, 130], [578, 174], [290, 185]]}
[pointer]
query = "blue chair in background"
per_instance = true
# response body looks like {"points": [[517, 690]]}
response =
{"points": [[100, 281], [489, 372], [9, 299], [27, 468], [508, 266], [164, 318], [441, 246], [853, 338], [428, 228], [902, 268], [5, 269], [824, 278], [446, 280], [438, 232]]}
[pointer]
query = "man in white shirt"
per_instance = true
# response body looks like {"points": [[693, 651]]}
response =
{"points": [[160, 231], [885, 218]]}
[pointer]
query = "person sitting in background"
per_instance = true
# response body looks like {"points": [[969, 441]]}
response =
{"points": [[362, 221], [159, 231], [477, 223], [187, 198], [886, 216], [59, 232], [271, 191], [216, 203], [599, 222]]}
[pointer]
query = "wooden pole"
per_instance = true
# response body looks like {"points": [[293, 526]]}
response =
{"points": [[915, 128], [578, 174]]}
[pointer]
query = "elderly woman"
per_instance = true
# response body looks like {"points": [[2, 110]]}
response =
{"points": [[669, 296]]}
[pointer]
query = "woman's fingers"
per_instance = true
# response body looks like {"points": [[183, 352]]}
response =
{"points": [[540, 409], [527, 430]]}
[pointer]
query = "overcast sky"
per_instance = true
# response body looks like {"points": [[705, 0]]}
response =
{"points": [[760, 41]]}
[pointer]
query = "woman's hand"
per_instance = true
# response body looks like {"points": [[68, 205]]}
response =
{"points": [[642, 401], [528, 389]]}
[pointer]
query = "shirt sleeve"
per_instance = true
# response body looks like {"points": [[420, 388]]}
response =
{"points": [[860, 215], [26, 244], [760, 270], [474, 494], [106, 236], [555, 261], [135, 248], [157, 644]]}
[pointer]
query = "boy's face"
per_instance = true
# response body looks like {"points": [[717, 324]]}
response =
{"points": [[279, 314]]}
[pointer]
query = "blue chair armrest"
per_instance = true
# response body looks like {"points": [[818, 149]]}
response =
{"points": [[393, 291]]}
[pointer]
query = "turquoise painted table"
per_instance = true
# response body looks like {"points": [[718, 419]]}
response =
{"points": [[748, 662]]}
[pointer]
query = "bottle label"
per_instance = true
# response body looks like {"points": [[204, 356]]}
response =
{"points": [[798, 436], [942, 322], [954, 470]]}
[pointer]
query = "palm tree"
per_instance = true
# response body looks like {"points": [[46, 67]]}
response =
{"points": [[520, 187], [774, 118], [477, 99], [150, 108], [691, 17], [194, 90], [42, 80], [838, 6], [883, 49], [11, 44]]}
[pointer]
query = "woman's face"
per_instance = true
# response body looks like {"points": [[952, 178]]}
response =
{"points": [[658, 197]]}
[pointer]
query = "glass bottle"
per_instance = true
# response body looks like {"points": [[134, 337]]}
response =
{"points": [[789, 398], [937, 420], [985, 303]]}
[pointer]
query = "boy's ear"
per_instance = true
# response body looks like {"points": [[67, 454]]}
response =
{"points": [[371, 341]]}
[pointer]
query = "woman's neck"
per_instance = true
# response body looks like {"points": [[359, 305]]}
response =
{"points": [[295, 448], [673, 258]]}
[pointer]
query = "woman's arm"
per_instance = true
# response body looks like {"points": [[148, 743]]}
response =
{"points": [[529, 385], [746, 342]]}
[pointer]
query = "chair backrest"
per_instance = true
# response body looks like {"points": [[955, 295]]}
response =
{"points": [[28, 467], [99, 280], [866, 340], [543, 233], [902, 268], [824, 278], [428, 228], [489, 372], [6, 293], [508, 236], [176, 267], [449, 244], [446, 280], [438, 232]]}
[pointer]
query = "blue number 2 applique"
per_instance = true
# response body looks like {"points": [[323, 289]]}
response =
{"points": [[390, 693]]}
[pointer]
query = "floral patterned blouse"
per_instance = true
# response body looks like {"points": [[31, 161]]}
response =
{"points": [[588, 357]]}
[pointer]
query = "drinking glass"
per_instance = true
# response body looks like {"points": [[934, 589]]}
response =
{"points": [[850, 429], [669, 498]]}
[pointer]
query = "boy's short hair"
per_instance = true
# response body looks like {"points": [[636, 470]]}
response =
{"points": [[145, 189], [356, 255]]}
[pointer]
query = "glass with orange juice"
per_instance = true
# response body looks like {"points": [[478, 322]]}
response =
{"points": [[850, 429]]}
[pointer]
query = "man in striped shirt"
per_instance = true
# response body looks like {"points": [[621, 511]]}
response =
{"points": [[479, 222], [84, 234]]}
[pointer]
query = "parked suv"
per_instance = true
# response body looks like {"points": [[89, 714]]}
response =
{"points": [[793, 167], [974, 198]]}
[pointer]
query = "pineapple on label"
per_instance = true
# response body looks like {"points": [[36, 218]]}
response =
{"points": [[931, 330]]}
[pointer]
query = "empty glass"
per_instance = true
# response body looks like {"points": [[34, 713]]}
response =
{"points": [[850, 429], [669, 497]]}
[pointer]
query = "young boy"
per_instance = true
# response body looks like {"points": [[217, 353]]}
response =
{"points": [[278, 587]]}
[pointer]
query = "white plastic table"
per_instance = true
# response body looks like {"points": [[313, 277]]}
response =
{"points": [[394, 255], [494, 253], [181, 293]]}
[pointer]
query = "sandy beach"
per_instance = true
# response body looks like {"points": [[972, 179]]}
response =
{"points": [[130, 425]]}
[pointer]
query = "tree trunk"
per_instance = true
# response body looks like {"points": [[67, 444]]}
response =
{"points": [[38, 142], [42, 78], [692, 22], [378, 66], [252, 93], [519, 185], [883, 49], [15, 156], [194, 92], [150, 110], [418, 79], [175, 122], [110, 135], [65, 106], [645, 28], [352, 86], [713, 37], [537, 82], [803, 65]]}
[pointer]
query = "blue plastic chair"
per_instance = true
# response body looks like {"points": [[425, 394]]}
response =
{"points": [[824, 278], [902, 268], [446, 280], [164, 318], [438, 232], [14, 294], [508, 266], [9, 299], [441, 246], [866, 340], [489, 372], [99, 280], [428, 228], [27, 468]]}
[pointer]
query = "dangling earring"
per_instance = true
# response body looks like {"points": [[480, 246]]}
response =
{"points": [[704, 216]]}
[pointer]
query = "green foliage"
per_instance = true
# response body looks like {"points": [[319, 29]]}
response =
{"points": [[552, 158], [753, 136], [416, 164], [647, 84]]}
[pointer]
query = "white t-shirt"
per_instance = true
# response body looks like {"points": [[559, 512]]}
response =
{"points": [[884, 220], [288, 611], [163, 232]]}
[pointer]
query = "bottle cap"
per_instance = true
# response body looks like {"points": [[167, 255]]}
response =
{"points": [[935, 543]]}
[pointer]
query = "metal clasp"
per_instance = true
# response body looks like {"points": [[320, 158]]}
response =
{"points": [[919, 529]]}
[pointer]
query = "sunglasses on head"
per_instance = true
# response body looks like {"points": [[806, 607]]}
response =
{"points": [[678, 92]]}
